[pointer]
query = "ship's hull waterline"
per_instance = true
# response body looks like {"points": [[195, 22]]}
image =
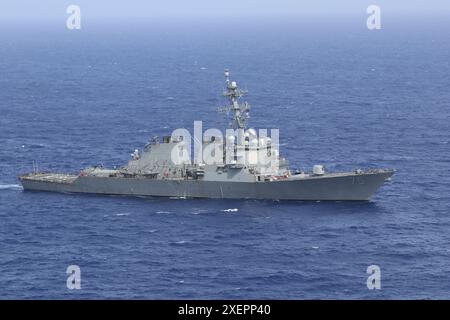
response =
{"points": [[330, 187]]}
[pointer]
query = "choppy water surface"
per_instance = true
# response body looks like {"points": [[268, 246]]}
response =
{"points": [[341, 96]]}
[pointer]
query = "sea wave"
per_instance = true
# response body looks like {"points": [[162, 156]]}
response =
{"points": [[230, 210]]}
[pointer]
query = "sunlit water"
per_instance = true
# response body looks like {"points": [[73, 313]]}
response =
{"points": [[343, 97]]}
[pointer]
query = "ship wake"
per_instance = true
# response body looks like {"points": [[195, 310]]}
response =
{"points": [[6, 186]]}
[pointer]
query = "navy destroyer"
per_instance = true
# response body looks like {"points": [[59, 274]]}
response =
{"points": [[239, 165]]}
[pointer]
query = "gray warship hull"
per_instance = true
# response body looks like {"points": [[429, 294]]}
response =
{"points": [[329, 187], [240, 165]]}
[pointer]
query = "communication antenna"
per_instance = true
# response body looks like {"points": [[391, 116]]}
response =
{"points": [[35, 166], [241, 111]]}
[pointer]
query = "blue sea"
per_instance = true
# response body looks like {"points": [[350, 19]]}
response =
{"points": [[341, 95]]}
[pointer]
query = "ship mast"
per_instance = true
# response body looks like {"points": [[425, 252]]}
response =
{"points": [[240, 110]]}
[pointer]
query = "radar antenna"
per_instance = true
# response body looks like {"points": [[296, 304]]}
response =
{"points": [[241, 111]]}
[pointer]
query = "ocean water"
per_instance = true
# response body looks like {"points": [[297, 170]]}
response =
{"points": [[341, 95]]}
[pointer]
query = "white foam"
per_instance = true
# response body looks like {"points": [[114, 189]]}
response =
{"points": [[10, 187], [122, 214], [230, 210]]}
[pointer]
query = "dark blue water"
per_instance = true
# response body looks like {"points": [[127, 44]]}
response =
{"points": [[341, 95]]}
